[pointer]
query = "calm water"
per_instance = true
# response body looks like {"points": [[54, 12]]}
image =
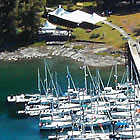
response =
{"points": [[21, 77]]}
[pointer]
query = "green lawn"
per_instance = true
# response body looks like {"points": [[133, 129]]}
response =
{"points": [[108, 54], [112, 37], [74, 7], [43, 43]]}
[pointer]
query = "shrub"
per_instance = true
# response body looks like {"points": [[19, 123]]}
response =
{"points": [[94, 36], [69, 7], [73, 36], [43, 43]]}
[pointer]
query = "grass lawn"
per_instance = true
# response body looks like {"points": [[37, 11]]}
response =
{"points": [[43, 43], [128, 22], [84, 4], [112, 37], [108, 54], [42, 20]]}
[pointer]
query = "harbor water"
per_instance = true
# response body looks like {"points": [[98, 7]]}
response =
{"points": [[21, 77]]}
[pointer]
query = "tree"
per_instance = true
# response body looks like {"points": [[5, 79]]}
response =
{"points": [[112, 4], [54, 2], [7, 20], [19, 20], [29, 21]]}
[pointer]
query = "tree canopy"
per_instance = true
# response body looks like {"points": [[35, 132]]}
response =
{"points": [[19, 20], [7, 20]]}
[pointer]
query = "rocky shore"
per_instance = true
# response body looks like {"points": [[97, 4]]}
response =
{"points": [[78, 51]]}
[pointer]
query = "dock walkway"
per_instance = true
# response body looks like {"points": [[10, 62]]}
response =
{"points": [[132, 45]]}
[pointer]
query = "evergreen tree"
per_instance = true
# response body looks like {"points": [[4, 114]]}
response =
{"points": [[7, 20], [29, 22], [19, 15], [28, 19]]}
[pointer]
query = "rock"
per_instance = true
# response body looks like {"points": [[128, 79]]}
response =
{"points": [[77, 56], [89, 52]]}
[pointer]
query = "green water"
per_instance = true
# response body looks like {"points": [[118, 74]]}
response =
{"points": [[21, 77]]}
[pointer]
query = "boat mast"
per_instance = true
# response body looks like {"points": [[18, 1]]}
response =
{"points": [[116, 75], [137, 79], [129, 94], [68, 77], [91, 96], [85, 79], [43, 87], [56, 82], [100, 80], [134, 111], [93, 82], [46, 77], [39, 87], [85, 92], [131, 72], [52, 80], [127, 71], [110, 76], [123, 77]]}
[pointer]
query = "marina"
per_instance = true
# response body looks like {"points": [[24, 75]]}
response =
{"points": [[17, 78], [84, 111], [70, 70]]}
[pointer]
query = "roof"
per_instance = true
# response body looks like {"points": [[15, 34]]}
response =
{"points": [[77, 16], [59, 12], [96, 18], [48, 26]]}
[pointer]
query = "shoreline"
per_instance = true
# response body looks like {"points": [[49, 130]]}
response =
{"points": [[77, 51]]}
